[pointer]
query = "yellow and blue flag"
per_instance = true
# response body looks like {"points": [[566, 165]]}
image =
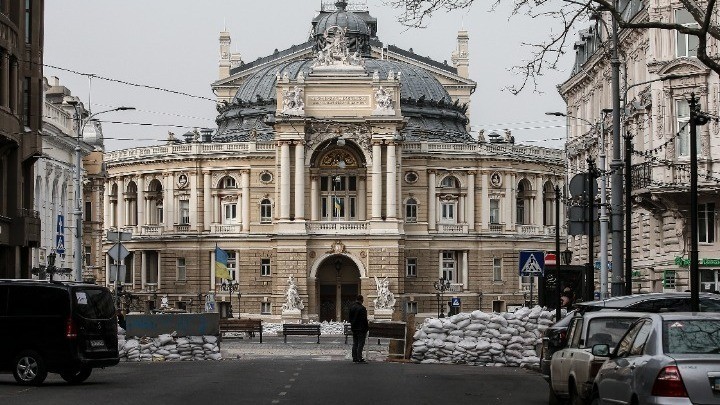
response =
{"points": [[337, 206], [221, 264]]}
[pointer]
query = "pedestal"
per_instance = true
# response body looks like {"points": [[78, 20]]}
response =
{"points": [[291, 316], [383, 314]]}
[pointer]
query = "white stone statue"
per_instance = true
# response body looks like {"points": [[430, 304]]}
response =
{"points": [[335, 51], [383, 102], [385, 299], [292, 298], [293, 101]]}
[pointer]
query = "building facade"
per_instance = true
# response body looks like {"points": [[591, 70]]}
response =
{"points": [[655, 117], [55, 185], [340, 162], [21, 58]]}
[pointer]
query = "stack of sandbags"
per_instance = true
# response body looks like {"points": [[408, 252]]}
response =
{"points": [[326, 328], [168, 347], [479, 338]]}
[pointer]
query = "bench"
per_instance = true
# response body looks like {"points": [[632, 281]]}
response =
{"points": [[347, 331], [301, 329], [250, 326]]}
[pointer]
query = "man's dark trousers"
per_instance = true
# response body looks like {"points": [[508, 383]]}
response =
{"points": [[358, 345]]}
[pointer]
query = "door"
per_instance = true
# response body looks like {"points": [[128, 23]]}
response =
{"points": [[614, 376], [328, 296], [348, 295]]}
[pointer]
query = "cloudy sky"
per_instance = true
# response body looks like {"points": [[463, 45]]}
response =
{"points": [[173, 45]]}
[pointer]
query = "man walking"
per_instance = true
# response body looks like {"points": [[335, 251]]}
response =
{"points": [[359, 326]]}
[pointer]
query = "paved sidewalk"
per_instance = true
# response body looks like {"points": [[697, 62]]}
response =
{"points": [[331, 348]]}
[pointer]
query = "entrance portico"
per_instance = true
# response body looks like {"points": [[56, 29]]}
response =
{"points": [[337, 281]]}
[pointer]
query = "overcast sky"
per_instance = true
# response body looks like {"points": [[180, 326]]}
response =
{"points": [[173, 44]]}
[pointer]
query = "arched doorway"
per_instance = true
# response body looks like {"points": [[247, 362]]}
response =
{"points": [[338, 284]]}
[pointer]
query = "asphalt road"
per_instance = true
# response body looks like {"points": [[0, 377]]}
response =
{"points": [[287, 381]]}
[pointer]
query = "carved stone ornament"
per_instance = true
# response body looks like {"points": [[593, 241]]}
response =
{"points": [[496, 179], [335, 53], [384, 102], [183, 180], [332, 159], [337, 247], [293, 102]]}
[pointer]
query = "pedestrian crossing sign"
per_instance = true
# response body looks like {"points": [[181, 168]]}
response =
{"points": [[531, 263]]}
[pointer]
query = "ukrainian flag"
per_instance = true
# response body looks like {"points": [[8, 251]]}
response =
{"points": [[337, 206], [221, 263]]}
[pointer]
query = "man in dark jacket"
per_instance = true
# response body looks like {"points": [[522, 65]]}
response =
{"points": [[359, 325]]}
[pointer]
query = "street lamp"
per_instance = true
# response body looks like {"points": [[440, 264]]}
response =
{"points": [[231, 286], [441, 286], [80, 127]]}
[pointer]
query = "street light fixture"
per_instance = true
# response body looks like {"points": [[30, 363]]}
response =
{"points": [[231, 286], [441, 286], [80, 127]]}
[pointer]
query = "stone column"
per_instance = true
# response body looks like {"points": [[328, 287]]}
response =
{"points": [[143, 270], [121, 203], [509, 208], [314, 198], [169, 204], [461, 209], [432, 222], [194, 203], [362, 199], [216, 208], [471, 201], [284, 180], [484, 202], [141, 202], [207, 200], [299, 181], [398, 182], [539, 202], [377, 181], [464, 279], [106, 203], [212, 270], [245, 184], [391, 186]]}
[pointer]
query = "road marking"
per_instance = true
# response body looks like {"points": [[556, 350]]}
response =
{"points": [[282, 394], [288, 386], [292, 380], [276, 401]]}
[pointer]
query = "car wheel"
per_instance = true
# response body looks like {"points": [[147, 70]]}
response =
{"points": [[77, 376], [575, 398], [29, 368]]}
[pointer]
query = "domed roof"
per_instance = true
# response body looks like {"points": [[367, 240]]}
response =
{"points": [[347, 20], [426, 104]]}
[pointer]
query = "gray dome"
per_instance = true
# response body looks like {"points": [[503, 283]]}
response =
{"points": [[356, 29], [430, 110]]}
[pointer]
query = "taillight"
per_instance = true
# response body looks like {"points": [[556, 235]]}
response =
{"points": [[70, 329], [669, 383]]}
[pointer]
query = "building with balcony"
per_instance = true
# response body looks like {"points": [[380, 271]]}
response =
{"points": [[55, 186], [655, 116], [21, 58], [337, 162]]}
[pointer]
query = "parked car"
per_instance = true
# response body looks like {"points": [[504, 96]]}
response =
{"points": [[57, 327], [573, 368], [555, 337], [663, 358]]}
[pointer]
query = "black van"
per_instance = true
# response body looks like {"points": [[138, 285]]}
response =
{"points": [[58, 327]]}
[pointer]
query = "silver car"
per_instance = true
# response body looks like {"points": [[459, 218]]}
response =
{"points": [[670, 358]]}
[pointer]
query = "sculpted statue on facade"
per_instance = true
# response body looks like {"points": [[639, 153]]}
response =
{"points": [[292, 298], [385, 299], [293, 101], [335, 52]]}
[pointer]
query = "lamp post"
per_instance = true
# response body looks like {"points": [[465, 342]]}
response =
{"points": [[441, 286], [231, 286], [80, 127], [696, 118]]}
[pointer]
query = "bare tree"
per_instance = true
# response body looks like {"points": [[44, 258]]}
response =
{"points": [[568, 16]]}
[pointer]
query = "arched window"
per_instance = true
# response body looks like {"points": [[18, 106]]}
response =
{"points": [[132, 203], [450, 182], [114, 205], [411, 208], [265, 211], [522, 203], [549, 204], [155, 191]]}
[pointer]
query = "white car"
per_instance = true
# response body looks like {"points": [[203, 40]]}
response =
{"points": [[573, 369]]}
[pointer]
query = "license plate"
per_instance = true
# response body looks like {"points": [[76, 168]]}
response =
{"points": [[97, 343]]}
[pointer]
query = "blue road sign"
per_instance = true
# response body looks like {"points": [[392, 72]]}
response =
{"points": [[531, 263], [60, 237], [455, 302]]}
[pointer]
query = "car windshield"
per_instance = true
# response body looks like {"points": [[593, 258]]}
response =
{"points": [[607, 331], [691, 336], [93, 303]]}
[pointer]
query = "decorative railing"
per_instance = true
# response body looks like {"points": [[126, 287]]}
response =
{"points": [[456, 287], [188, 149], [452, 228], [333, 227], [226, 228], [641, 175], [151, 230], [528, 229], [58, 117], [182, 228], [497, 228]]}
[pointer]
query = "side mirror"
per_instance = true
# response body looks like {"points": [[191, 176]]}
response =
{"points": [[601, 350]]}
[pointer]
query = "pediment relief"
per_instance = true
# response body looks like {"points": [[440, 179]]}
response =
{"points": [[684, 66]]}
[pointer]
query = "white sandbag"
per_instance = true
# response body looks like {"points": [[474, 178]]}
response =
{"points": [[210, 339]]}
